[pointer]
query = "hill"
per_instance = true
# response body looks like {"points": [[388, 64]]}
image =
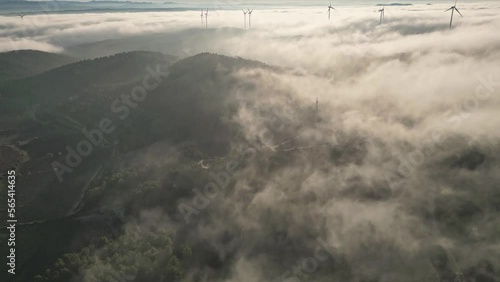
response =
{"points": [[75, 79], [42, 114], [253, 162], [22, 63], [187, 109], [182, 43]]}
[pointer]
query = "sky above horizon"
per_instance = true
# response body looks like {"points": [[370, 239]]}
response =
{"points": [[13, 7], [263, 2]]}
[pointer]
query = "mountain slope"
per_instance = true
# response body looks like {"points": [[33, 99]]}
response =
{"points": [[42, 114], [186, 143], [22, 63], [73, 80], [186, 107]]}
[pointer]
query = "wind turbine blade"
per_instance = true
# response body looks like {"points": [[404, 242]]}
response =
{"points": [[459, 12], [448, 9], [456, 2]]}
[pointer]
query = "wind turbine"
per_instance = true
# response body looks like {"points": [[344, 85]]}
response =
{"points": [[201, 17], [453, 9], [206, 18], [382, 14], [329, 9], [22, 16], [245, 15], [250, 18]]}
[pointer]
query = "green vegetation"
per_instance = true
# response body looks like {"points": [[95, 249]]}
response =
{"points": [[137, 255]]}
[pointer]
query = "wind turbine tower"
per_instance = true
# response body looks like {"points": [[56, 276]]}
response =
{"points": [[329, 9], [382, 14], [250, 18], [206, 18], [453, 9], [245, 15]]}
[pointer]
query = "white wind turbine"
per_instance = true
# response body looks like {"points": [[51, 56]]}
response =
{"points": [[201, 17], [453, 9], [382, 14], [250, 18], [329, 9], [245, 15], [206, 18]]}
